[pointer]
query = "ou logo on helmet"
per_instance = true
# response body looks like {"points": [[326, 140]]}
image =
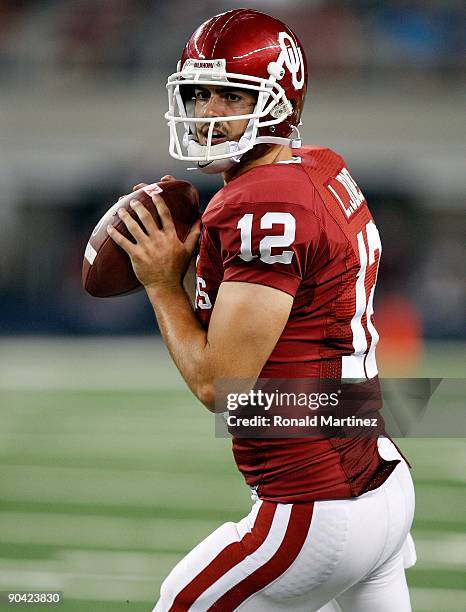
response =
{"points": [[292, 56]]}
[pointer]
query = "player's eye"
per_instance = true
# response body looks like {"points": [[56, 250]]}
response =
{"points": [[201, 95], [232, 97]]}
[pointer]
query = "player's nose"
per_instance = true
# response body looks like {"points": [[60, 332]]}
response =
{"points": [[214, 106]]}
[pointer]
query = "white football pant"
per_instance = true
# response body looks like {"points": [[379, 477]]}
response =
{"points": [[345, 555]]}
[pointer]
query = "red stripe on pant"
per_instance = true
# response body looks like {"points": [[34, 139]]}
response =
{"points": [[295, 536], [230, 556]]}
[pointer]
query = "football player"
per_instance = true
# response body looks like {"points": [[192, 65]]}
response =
{"points": [[286, 273]]}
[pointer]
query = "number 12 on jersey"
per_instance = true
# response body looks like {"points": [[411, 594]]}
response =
{"points": [[268, 242], [362, 363]]}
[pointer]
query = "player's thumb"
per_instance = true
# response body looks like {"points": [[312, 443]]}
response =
{"points": [[193, 236]]}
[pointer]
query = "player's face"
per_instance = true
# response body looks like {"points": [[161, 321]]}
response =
{"points": [[213, 101]]}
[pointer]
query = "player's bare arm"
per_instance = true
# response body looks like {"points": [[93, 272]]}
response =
{"points": [[246, 322]]}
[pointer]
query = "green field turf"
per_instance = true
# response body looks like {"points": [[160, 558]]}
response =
{"points": [[102, 491]]}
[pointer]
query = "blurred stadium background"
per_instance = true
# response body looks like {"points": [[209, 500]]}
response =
{"points": [[109, 469]]}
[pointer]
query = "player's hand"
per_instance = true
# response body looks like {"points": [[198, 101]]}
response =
{"points": [[158, 256]]}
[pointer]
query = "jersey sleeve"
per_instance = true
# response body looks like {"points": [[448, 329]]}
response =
{"points": [[267, 243]]}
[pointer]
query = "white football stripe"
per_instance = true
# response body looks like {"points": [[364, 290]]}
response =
{"points": [[90, 253], [246, 567]]}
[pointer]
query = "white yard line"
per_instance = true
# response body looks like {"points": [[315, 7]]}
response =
{"points": [[441, 550], [79, 585], [115, 446], [76, 530], [438, 600], [138, 488], [86, 364]]}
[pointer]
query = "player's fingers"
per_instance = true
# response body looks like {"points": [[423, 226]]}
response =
{"points": [[168, 177], [139, 186], [193, 237], [121, 241], [164, 213], [133, 226], [145, 217]]}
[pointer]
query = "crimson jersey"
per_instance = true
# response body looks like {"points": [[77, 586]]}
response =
{"points": [[303, 228]]}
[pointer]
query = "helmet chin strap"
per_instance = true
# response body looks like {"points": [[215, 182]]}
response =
{"points": [[214, 166], [294, 140], [231, 147]]}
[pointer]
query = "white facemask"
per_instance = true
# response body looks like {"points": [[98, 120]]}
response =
{"points": [[212, 158]]}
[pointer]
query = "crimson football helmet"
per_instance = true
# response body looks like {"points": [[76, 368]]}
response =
{"points": [[255, 52]]}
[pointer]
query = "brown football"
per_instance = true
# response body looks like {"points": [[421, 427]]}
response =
{"points": [[107, 269]]}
